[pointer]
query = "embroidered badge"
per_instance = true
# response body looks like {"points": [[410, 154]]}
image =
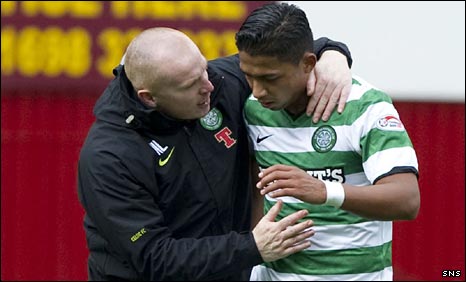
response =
{"points": [[224, 136], [390, 123], [212, 120], [324, 139]]}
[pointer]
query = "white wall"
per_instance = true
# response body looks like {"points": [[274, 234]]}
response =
{"points": [[412, 50]]}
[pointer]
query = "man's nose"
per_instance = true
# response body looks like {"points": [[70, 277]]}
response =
{"points": [[207, 87], [258, 91]]}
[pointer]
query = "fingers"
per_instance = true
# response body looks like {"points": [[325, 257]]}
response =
{"points": [[297, 229], [321, 98], [344, 97], [298, 247], [276, 192], [273, 212], [272, 177], [276, 167], [332, 102], [276, 240], [323, 103], [280, 188], [292, 219], [275, 173], [298, 238], [332, 78], [311, 105]]}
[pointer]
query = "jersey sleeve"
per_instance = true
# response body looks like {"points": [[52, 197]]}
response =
{"points": [[385, 145]]}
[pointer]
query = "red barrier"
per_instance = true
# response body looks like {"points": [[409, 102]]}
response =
{"points": [[42, 230], [433, 244], [41, 220]]}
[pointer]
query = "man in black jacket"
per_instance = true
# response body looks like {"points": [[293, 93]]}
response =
{"points": [[164, 176]]}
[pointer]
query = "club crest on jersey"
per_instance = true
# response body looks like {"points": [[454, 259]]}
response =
{"points": [[212, 120], [324, 139], [390, 123]]}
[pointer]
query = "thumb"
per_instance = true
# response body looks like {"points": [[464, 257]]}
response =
{"points": [[273, 212]]}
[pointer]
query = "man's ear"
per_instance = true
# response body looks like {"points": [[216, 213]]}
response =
{"points": [[147, 98], [309, 61]]}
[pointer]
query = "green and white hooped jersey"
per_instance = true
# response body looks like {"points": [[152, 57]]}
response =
{"points": [[357, 147]]}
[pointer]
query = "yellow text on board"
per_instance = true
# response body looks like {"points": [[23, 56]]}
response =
{"points": [[53, 51], [157, 10]]}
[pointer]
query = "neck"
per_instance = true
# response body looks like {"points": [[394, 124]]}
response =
{"points": [[298, 106]]}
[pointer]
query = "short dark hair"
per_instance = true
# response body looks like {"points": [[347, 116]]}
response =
{"points": [[276, 30]]}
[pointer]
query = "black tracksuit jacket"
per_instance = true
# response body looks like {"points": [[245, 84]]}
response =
{"points": [[168, 199]]}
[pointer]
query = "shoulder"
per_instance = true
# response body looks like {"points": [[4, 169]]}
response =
{"points": [[364, 93], [107, 144], [229, 64], [227, 68]]}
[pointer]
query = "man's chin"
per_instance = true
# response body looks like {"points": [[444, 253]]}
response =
{"points": [[203, 112]]}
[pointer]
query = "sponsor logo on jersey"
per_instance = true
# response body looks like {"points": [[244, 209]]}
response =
{"points": [[390, 123], [324, 139], [212, 120], [260, 139], [334, 174]]}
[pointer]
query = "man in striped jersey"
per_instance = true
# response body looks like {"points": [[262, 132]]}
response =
{"points": [[355, 174]]}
